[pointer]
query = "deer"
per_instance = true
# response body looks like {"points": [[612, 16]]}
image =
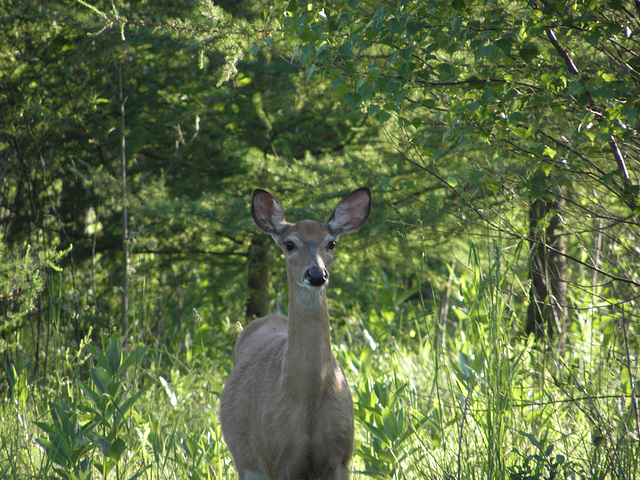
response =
{"points": [[286, 410]]}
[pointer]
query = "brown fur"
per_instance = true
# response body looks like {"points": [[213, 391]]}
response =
{"points": [[286, 410]]}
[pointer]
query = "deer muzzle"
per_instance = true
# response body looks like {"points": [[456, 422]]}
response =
{"points": [[316, 276]]}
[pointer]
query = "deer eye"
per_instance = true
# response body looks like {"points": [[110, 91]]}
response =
{"points": [[332, 244], [289, 245]]}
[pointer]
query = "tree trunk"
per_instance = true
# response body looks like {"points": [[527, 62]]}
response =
{"points": [[546, 315], [258, 277]]}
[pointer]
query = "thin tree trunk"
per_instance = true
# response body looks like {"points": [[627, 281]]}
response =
{"points": [[258, 278], [546, 315], [125, 220]]}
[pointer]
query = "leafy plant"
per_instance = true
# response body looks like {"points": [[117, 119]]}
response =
{"points": [[543, 464], [93, 431]]}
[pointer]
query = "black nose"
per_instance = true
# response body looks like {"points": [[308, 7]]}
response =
{"points": [[316, 276]]}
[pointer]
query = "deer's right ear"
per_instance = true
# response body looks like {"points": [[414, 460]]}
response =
{"points": [[267, 212]]}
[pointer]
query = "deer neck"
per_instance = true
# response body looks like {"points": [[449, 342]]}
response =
{"points": [[308, 363]]}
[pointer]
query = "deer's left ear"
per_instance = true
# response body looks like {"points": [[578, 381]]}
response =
{"points": [[351, 213]]}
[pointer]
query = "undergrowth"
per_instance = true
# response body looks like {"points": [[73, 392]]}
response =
{"points": [[465, 398]]}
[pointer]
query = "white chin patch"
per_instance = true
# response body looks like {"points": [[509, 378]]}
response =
{"points": [[312, 288]]}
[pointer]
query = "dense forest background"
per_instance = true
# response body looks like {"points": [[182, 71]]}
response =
{"points": [[488, 314]]}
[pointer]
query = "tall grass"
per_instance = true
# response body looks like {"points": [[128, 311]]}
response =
{"points": [[122, 422], [488, 403], [454, 394]]}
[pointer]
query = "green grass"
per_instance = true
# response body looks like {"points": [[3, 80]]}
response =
{"points": [[469, 399]]}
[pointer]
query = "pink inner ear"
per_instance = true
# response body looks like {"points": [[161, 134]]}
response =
{"points": [[353, 221], [358, 205], [356, 208], [265, 207]]}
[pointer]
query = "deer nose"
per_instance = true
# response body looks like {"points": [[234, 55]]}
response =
{"points": [[316, 276]]}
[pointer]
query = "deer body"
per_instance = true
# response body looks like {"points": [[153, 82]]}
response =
{"points": [[286, 410]]}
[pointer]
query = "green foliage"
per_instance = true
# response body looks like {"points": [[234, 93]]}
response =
{"points": [[22, 280], [485, 403], [543, 464], [113, 428], [388, 426], [480, 402], [98, 422], [496, 103], [459, 115]]}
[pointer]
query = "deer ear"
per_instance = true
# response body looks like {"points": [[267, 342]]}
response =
{"points": [[267, 212], [351, 213]]}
